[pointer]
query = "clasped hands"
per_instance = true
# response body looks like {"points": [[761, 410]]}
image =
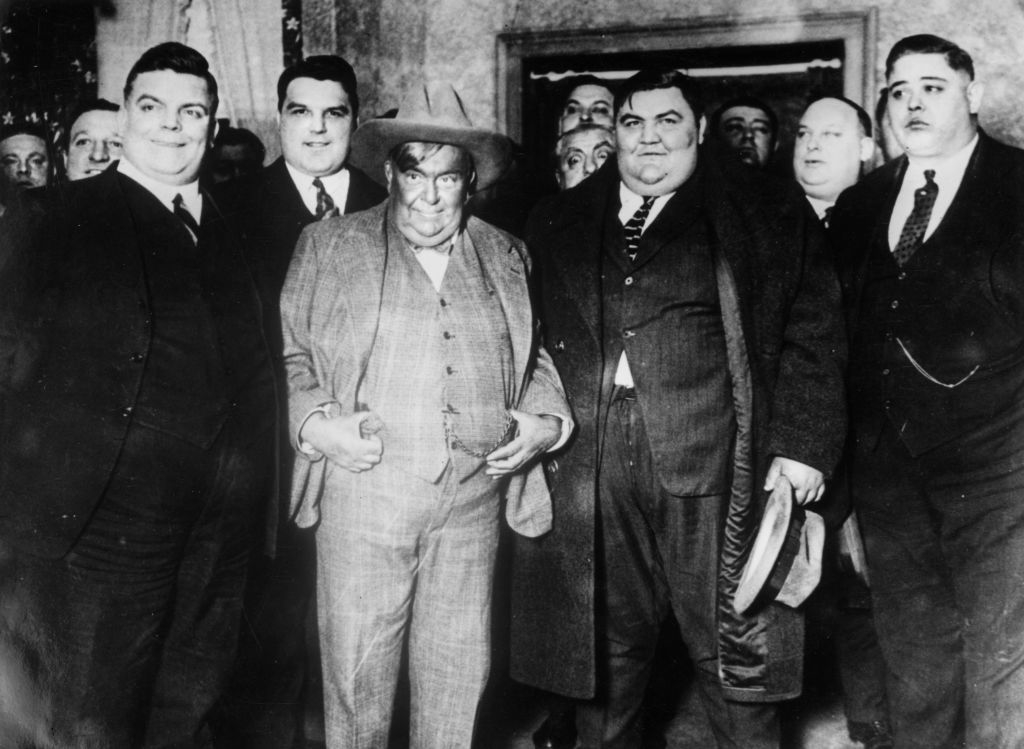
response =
{"points": [[340, 441]]}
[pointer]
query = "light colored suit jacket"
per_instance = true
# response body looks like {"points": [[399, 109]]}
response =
{"points": [[330, 307]]}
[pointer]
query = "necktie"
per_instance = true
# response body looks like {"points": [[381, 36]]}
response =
{"points": [[827, 218], [186, 217], [635, 227], [324, 202], [917, 222]]}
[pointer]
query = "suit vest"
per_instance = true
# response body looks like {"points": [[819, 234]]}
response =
{"points": [[932, 352], [663, 311], [207, 356], [441, 364]]}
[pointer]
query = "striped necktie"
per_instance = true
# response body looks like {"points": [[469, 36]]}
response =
{"points": [[324, 202], [912, 235], [186, 216], [635, 227]]}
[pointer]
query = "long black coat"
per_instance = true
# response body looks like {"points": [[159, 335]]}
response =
{"points": [[785, 345]]}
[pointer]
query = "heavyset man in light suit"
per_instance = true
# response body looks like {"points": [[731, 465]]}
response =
{"points": [[419, 398], [931, 256]]}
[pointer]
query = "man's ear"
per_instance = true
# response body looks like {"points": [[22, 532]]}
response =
{"points": [[867, 148], [702, 128], [975, 93]]}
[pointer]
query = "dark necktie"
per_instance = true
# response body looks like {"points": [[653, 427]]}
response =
{"points": [[324, 202], [186, 217], [635, 227], [826, 219], [917, 223]]}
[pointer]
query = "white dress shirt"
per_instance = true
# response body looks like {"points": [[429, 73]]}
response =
{"points": [[335, 184], [948, 176], [630, 203]]}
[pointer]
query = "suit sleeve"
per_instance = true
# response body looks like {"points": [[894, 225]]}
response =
{"points": [[809, 402], [306, 390]]}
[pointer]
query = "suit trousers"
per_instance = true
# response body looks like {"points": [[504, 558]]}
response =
{"points": [[143, 612], [405, 562], [944, 535], [659, 554]]}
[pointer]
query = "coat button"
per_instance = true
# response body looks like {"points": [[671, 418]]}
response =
{"points": [[628, 334], [895, 303], [888, 403], [447, 335], [136, 358], [629, 281], [449, 370], [902, 275], [885, 371], [559, 345], [127, 411]]}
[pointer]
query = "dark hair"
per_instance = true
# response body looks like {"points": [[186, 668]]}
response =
{"points": [[929, 44], [409, 155], [239, 136], [880, 106], [177, 58], [321, 68], [745, 101], [654, 79], [567, 85], [89, 105], [863, 118]]}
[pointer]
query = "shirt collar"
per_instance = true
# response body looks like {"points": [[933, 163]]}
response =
{"points": [[162, 191], [819, 206], [949, 171], [336, 185]]}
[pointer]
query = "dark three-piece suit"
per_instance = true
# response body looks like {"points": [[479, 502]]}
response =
{"points": [[936, 389], [138, 429]]}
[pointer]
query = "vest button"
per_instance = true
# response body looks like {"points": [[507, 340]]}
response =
{"points": [[885, 371], [126, 411], [136, 358], [902, 275], [888, 403], [895, 303], [444, 303], [888, 335], [449, 370], [447, 335], [628, 334]]}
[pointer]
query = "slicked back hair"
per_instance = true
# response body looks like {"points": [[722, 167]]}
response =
{"points": [[929, 44], [654, 79], [178, 58], [321, 68]]}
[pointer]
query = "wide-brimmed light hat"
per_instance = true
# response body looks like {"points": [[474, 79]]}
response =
{"points": [[431, 113], [785, 561]]}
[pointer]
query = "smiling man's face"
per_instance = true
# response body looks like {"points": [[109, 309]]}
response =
{"points": [[166, 125], [932, 106], [316, 124]]}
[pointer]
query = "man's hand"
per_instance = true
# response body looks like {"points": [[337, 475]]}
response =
{"points": [[338, 439], [808, 483], [535, 434]]}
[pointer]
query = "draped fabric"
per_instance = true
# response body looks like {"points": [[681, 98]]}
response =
{"points": [[242, 39]]}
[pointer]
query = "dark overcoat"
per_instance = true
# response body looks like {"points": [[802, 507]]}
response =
{"points": [[785, 346]]}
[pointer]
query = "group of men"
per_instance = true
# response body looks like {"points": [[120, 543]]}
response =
{"points": [[307, 364]]}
